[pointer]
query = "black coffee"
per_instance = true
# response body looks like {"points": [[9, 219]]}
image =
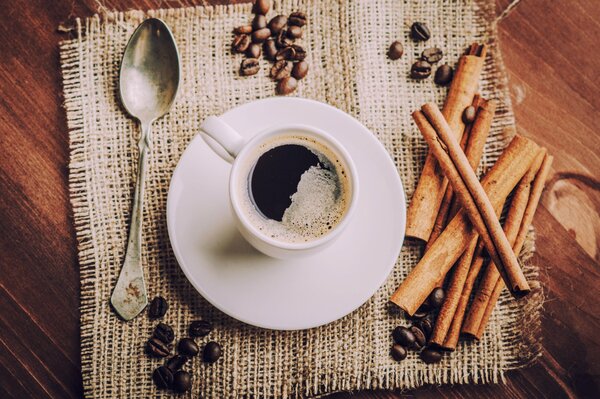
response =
{"points": [[297, 191]]}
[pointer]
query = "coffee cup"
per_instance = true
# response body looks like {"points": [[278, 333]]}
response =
{"points": [[292, 188]]}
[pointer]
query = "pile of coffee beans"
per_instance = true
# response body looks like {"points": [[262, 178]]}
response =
{"points": [[415, 337], [160, 345], [422, 68], [277, 39]]}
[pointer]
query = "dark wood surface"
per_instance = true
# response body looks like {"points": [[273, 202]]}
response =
{"points": [[551, 53]]}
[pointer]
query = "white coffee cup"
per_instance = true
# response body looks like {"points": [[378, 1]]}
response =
{"points": [[243, 151]]}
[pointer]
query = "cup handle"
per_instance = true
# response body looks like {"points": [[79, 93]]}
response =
{"points": [[226, 136]]}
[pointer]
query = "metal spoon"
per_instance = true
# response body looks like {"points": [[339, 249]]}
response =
{"points": [[148, 83]]}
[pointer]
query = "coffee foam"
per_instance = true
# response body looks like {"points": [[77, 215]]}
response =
{"points": [[319, 203]]}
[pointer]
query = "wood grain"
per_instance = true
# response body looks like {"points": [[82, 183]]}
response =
{"points": [[550, 50]]}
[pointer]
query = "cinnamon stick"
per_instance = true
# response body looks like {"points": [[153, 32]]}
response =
{"points": [[497, 183], [526, 200], [428, 195], [473, 198]]}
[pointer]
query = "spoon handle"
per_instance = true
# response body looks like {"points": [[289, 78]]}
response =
{"points": [[129, 297]]}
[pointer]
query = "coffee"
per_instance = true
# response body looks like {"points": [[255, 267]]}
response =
{"points": [[297, 189]]}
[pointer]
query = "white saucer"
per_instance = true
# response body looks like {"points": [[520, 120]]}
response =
{"points": [[291, 294]]}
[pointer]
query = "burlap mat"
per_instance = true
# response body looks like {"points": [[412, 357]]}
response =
{"points": [[347, 42]]}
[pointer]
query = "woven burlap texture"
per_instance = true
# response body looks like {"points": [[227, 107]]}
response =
{"points": [[346, 42]]}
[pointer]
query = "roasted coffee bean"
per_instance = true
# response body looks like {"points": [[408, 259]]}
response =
{"points": [[286, 53], [294, 32], [157, 348], [297, 18], [188, 347], [158, 307], [281, 69], [162, 377], [436, 298], [420, 339], [270, 49], [398, 352], [286, 86], [469, 114], [403, 336], [259, 36], [421, 312], [253, 51], [426, 326], [176, 362], [259, 22], [420, 70], [240, 43], [276, 24], [282, 41], [443, 75], [261, 6], [249, 67], [212, 352], [432, 55], [243, 30], [182, 381], [300, 70], [420, 32], [430, 355], [396, 50], [164, 332], [200, 328], [299, 53]]}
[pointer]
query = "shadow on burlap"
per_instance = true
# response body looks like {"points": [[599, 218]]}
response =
{"points": [[347, 42]]}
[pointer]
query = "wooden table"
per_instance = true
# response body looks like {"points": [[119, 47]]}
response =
{"points": [[552, 56]]}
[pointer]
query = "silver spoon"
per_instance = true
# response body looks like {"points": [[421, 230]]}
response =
{"points": [[148, 83]]}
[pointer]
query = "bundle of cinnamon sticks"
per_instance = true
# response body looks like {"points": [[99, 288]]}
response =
{"points": [[457, 215]]}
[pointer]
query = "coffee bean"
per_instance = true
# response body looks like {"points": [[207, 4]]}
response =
{"points": [[270, 49], [259, 36], [276, 24], [398, 352], [403, 336], [176, 362], [182, 381], [157, 348], [200, 328], [432, 55], [164, 332], [212, 352], [430, 355], [299, 53], [297, 18], [436, 298], [294, 32], [286, 53], [300, 70], [420, 70], [259, 22], [443, 75], [261, 7], [158, 307], [420, 32], [281, 69], [240, 43], [253, 51], [282, 41], [420, 339], [469, 114], [188, 347], [162, 377], [286, 85], [243, 30], [421, 312], [396, 50], [426, 326], [249, 67]]}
